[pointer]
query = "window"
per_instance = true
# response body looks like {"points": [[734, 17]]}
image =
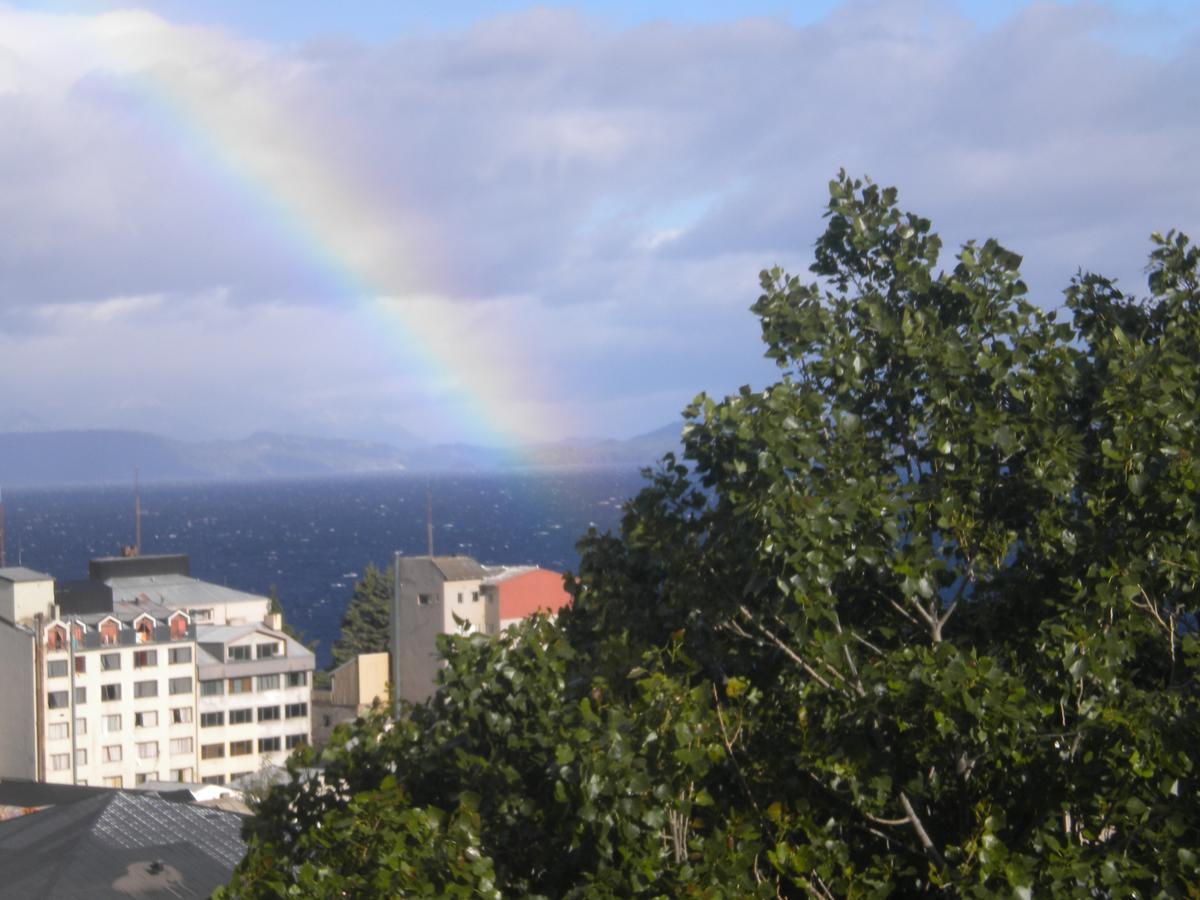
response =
{"points": [[213, 779], [460, 596], [56, 668], [110, 692], [268, 713], [179, 627], [268, 745], [143, 777], [144, 658], [57, 639], [297, 679], [80, 695], [238, 653], [114, 781], [267, 651], [181, 774], [110, 662], [112, 753], [241, 716], [234, 776], [81, 757], [181, 745], [240, 748], [110, 724], [181, 715], [180, 655], [296, 710], [147, 719], [212, 719], [108, 633], [144, 630], [80, 726], [212, 751], [202, 615], [474, 596], [268, 682], [81, 665], [147, 750], [145, 689], [58, 731], [295, 740], [212, 688], [424, 599], [57, 699], [60, 761], [241, 685], [180, 685]]}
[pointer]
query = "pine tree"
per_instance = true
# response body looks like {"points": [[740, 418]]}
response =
{"points": [[365, 624]]}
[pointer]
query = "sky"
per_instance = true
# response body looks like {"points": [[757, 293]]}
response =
{"points": [[498, 223]]}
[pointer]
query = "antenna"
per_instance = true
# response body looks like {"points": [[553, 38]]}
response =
{"points": [[429, 519], [137, 514], [3, 554]]}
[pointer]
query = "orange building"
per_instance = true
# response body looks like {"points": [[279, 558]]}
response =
{"points": [[517, 592]]}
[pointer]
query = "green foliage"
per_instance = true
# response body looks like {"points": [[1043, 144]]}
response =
{"points": [[366, 622], [922, 615]]}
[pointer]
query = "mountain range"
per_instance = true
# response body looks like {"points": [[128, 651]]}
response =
{"points": [[104, 457]]}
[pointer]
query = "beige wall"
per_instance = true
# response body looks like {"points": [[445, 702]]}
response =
{"points": [[21, 601], [18, 755]]}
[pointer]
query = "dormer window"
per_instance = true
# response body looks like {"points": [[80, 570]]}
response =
{"points": [[239, 654], [179, 626], [109, 630], [56, 638]]}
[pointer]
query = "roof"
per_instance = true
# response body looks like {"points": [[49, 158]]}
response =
{"points": [[37, 793], [496, 574], [19, 574], [126, 612], [457, 568], [119, 844], [177, 590]]}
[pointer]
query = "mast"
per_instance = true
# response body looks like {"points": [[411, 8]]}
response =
{"points": [[429, 519], [137, 515], [3, 553]]}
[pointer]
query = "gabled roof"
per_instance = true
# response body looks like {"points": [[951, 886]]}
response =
{"points": [[457, 568], [119, 844]]}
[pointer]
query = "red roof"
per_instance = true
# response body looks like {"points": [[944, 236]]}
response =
{"points": [[538, 590]]}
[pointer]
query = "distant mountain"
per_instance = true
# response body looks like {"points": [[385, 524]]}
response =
{"points": [[100, 457], [105, 457]]}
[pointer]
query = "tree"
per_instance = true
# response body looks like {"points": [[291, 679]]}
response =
{"points": [[922, 614], [366, 621]]}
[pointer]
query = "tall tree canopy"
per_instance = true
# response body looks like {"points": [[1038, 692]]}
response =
{"points": [[368, 614], [920, 615]]}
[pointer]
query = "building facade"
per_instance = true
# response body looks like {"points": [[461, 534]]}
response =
{"points": [[140, 691], [254, 700], [456, 595]]}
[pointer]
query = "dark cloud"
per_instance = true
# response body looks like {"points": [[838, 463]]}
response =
{"points": [[613, 192]]}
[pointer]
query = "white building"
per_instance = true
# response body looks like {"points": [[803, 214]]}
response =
{"points": [[254, 699], [137, 690]]}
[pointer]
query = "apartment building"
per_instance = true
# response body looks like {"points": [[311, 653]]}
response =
{"points": [[119, 697], [434, 595], [253, 700], [112, 686], [456, 595]]}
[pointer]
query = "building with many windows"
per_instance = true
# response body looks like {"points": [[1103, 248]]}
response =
{"points": [[253, 699], [121, 689]]}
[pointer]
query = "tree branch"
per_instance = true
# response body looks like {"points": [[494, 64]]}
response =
{"points": [[922, 834]]}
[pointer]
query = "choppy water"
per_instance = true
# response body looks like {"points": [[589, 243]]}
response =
{"points": [[310, 538]]}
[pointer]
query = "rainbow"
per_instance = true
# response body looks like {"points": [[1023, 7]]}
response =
{"points": [[379, 263]]}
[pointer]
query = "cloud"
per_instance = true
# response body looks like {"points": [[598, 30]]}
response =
{"points": [[586, 207]]}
